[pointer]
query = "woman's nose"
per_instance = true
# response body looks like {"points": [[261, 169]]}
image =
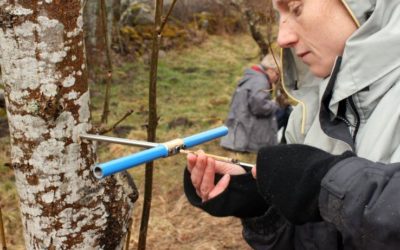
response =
{"points": [[287, 37]]}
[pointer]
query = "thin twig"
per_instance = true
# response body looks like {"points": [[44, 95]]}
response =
{"points": [[165, 19], [106, 130], [84, 3], [128, 235], [106, 107], [2, 234]]}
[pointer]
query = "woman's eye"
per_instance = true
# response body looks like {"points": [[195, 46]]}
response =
{"points": [[295, 7]]}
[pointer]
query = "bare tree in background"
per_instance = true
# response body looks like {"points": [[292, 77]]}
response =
{"points": [[254, 11], [107, 46], [45, 79], [91, 29]]}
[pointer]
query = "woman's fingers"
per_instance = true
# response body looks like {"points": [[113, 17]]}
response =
{"points": [[220, 187], [228, 168], [202, 172], [207, 183], [198, 170], [191, 161]]}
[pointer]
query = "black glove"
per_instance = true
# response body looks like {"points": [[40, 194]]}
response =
{"points": [[289, 176], [240, 199]]}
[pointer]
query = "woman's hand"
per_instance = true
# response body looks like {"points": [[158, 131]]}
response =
{"points": [[202, 172]]}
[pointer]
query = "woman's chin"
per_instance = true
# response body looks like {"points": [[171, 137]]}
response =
{"points": [[320, 72]]}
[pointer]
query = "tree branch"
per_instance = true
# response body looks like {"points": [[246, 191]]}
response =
{"points": [[106, 130], [2, 234], [165, 19], [106, 107]]}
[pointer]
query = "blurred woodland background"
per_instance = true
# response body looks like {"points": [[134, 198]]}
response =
{"points": [[205, 46]]}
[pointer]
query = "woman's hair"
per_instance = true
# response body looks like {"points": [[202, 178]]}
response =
{"points": [[269, 62]]}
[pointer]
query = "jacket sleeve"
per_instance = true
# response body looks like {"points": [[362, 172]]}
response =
{"points": [[260, 101], [361, 198], [270, 231]]}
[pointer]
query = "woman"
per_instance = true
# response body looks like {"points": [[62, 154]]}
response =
{"points": [[251, 119], [336, 185]]}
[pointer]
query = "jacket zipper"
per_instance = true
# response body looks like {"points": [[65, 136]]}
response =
{"points": [[352, 106], [357, 115]]}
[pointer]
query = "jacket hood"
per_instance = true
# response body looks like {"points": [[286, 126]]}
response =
{"points": [[251, 73], [360, 10], [372, 52]]}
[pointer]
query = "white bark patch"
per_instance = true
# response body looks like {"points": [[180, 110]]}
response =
{"points": [[84, 110], [16, 154], [69, 81], [25, 29], [49, 89], [18, 96], [48, 23], [41, 160], [48, 197], [27, 71], [32, 107], [65, 123], [18, 10], [30, 127], [80, 129], [27, 196], [73, 95]]}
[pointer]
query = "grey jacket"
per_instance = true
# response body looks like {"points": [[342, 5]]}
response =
{"points": [[251, 119], [359, 199]]}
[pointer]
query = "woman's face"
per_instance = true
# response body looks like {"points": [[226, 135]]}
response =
{"points": [[317, 30]]}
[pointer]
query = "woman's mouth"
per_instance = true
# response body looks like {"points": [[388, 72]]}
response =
{"points": [[302, 54]]}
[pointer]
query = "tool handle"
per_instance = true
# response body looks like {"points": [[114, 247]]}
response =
{"points": [[108, 168], [205, 136]]}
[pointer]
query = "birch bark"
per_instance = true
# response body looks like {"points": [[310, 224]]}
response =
{"points": [[46, 92]]}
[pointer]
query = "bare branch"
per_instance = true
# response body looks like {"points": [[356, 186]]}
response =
{"points": [[106, 106], [165, 19], [128, 235], [104, 131], [2, 234]]}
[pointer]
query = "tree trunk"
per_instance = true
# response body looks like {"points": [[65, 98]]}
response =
{"points": [[62, 205], [107, 47], [110, 22]]}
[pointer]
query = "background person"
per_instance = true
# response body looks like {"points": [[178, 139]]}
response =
{"points": [[251, 120]]}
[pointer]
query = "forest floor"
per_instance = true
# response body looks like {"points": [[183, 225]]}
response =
{"points": [[195, 86]]}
